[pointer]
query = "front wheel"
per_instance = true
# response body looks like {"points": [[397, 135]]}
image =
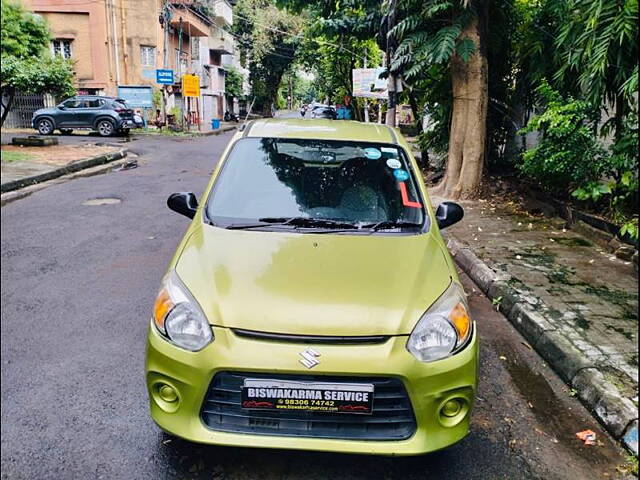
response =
{"points": [[45, 126], [105, 128], [66, 131]]}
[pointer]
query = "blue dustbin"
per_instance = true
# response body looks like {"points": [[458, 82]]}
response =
{"points": [[215, 123]]}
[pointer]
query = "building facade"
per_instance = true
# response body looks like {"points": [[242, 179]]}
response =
{"points": [[117, 45]]}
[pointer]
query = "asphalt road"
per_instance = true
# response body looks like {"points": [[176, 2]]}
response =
{"points": [[78, 283]]}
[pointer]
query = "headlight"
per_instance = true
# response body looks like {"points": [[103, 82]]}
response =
{"points": [[178, 317], [443, 329]]}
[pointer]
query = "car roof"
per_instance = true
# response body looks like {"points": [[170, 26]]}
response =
{"points": [[95, 96], [321, 129]]}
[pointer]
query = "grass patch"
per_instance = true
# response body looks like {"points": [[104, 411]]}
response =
{"points": [[13, 156]]}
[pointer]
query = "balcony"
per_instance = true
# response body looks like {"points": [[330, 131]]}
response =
{"points": [[221, 42], [223, 12], [192, 23]]}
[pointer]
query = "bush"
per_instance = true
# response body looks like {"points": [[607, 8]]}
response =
{"points": [[568, 153]]}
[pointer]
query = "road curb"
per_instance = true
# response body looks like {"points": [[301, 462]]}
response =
{"points": [[59, 172], [617, 414], [208, 133], [9, 197]]}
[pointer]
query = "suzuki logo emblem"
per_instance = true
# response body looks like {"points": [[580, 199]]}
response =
{"points": [[309, 358]]}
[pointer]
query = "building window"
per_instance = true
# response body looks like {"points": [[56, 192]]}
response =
{"points": [[195, 48], [61, 47], [148, 56]]}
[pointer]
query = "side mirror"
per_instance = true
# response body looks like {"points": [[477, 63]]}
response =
{"points": [[448, 213], [184, 203], [61, 107]]}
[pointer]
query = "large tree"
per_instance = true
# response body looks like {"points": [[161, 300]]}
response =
{"points": [[441, 32], [268, 38], [27, 66]]}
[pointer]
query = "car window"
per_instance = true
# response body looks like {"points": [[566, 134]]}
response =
{"points": [[335, 180], [120, 104], [94, 103], [73, 103]]}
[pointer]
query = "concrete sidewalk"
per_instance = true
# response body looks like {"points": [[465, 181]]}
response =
{"points": [[23, 166], [574, 302]]}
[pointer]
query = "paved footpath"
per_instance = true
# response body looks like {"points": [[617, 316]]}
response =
{"points": [[575, 302]]}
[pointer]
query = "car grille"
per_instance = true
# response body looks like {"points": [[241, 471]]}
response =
{"points": [[392, 417]]}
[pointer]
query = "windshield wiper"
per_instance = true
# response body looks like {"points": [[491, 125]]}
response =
{"points": [[295, 222], [385, 224]]}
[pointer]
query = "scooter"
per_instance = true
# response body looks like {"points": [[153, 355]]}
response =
{"points": [[231, 116]]}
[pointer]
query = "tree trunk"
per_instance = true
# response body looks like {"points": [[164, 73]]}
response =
{"points": [[11, 93], [468, 124]]}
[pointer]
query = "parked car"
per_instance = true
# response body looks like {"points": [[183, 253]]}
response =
{"points": [[312, 303], [324, 111], [106, 115]]}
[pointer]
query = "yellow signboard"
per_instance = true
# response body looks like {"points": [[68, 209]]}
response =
{"points": [[190, 86]]}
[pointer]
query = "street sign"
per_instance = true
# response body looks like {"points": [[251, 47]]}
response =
{"points": [[190, 86], [366, 78], [137, 96], [164, 76]]}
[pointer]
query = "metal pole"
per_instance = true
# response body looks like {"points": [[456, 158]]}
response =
{"points": [[391, 80], [180, 71], [366, 102], [115, 42], [167, 17]]}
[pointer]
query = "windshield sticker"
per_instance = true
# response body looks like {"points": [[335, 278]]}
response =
{"points": [[372, 153], [393, 163], [401, 175], [405, 197], [389, 150]]}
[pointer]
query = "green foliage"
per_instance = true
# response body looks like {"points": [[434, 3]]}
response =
{"points": [[268, 39], [569, 158], [25, 65], [598, 45], [156, 99], [630, 228], [233, 83], [38, 75], [567, 154], [23, 34]]}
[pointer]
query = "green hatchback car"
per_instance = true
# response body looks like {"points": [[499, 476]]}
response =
{"points": [[312, 303]]}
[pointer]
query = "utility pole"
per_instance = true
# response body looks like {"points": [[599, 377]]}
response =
{"points": [[165, 18], [366, 102], [180, 70], [391, 80]]}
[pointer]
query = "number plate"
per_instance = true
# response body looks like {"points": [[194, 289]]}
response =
{"points": [[309, 397]]}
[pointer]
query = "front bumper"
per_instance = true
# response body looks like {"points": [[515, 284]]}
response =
{"points": [[429, 386]]}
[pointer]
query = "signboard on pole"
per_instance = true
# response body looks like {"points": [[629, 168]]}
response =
{"points": [[164, 76], [190, 86], [137, 96], [366, 83]]}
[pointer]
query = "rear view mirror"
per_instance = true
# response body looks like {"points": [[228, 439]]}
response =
{"points": [[184, 203], [448, 213]]}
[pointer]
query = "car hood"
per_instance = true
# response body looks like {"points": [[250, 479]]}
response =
{"points": [[313, 284]]}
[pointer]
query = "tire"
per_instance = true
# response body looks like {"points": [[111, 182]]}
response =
{"points": [[45, 126], [105, 128], [66, 131]]}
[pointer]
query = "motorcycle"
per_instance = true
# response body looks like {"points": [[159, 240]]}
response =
{"points": [[228, 117]]}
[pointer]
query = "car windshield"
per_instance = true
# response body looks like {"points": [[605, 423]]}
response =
{"points": [[353, 183]]}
